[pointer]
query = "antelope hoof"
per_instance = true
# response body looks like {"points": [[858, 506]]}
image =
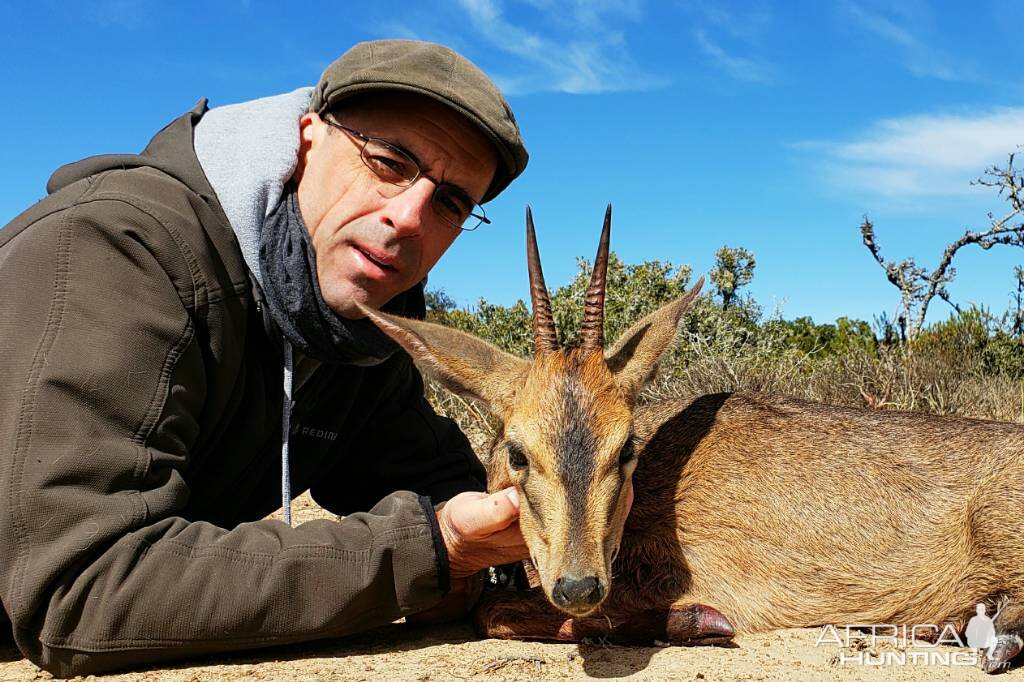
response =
{"points": [[1007, 647], [696, 625]]}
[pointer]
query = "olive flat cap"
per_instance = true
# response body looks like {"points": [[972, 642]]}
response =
{"points": [[434, 71]]}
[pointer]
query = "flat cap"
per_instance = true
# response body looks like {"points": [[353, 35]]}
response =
{"points": [[434, 71]]}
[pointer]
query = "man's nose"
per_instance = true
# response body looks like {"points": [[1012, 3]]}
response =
{"points": [[408, 211]]}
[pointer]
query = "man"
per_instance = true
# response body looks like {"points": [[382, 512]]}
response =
{"points": [[181, 342]]}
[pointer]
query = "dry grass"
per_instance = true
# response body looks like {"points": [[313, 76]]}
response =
{"points": [[889, 379], [478, 425]]}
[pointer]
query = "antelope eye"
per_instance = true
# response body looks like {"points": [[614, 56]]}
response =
{"points": [[516, 457], [627, 453]]}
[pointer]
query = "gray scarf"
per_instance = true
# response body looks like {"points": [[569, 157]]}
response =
{"points": [[294, 300]]}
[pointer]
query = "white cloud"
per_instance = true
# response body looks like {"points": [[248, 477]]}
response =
{"points": [[922, 156], [749, 25], [739, 68], [577, 53], [722, 35], [588, 14], [919, 58], [882, 27], [124, 14], [397, 29]]}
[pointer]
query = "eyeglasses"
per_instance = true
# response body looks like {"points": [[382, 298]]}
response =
{"points": [[395, 167]]}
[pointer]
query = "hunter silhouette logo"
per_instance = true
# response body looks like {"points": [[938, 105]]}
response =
{"points": [[981, 631]]}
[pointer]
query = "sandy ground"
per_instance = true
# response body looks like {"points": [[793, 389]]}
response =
{"points": [[452, 652]]}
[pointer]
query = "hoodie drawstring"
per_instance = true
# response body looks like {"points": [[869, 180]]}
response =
{"points": [[286, 415]]}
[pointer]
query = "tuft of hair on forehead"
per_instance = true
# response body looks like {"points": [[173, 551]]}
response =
{"points": [[571, 387]]}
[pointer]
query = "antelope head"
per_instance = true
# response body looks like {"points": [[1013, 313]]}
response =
{"points": [[567, 441]]}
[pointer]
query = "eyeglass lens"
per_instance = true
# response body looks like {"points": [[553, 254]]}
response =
{"points": [[395, 167]]}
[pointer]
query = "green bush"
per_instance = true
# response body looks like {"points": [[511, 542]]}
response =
{"points": [[827, 339], [975, 335]]}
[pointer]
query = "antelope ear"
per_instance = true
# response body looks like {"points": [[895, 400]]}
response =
{"points": [[463, 363], [635, 355]]}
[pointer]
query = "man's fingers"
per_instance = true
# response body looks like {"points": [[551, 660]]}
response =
{"points": [[509, 546], [481, 530], [485, 515], [495, 512]]}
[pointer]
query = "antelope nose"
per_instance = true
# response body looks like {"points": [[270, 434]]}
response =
{"points": [[573, 591]]}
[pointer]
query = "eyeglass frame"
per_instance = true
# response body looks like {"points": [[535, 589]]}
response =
{"points": [[366, 139]]}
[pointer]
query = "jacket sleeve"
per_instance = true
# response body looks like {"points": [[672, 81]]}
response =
{"points": [[406, 445], [102, 325]]}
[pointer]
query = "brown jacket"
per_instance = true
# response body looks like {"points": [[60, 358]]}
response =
{"points": [[140, 439]]}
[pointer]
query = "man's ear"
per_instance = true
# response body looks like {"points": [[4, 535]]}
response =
{"points": [[635, 355], [463, 363], [306, 129]]}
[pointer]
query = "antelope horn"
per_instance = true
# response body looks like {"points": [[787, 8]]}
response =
{"points": [[592, 330], [545, 340]]}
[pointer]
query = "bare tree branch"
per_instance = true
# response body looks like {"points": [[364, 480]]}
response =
{"points": [[917, 286]]}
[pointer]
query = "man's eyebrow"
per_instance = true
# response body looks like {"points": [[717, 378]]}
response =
{"points": [[465, 195], [402, 148], [405, 150]]}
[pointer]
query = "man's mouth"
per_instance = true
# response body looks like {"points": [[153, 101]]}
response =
{"points": [[381, 261]]}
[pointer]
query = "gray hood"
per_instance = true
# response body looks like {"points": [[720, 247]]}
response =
{"points": [[249, 152]]}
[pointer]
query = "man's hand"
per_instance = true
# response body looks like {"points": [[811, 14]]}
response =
{"points": [[481, 530]]}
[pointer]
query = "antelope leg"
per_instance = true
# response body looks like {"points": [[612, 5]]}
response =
{"points": [[503, 614], [1006, 649], [696, 624], [1009, 625], [529, 615]]}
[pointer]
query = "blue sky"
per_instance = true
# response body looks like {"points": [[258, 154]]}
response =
{"points": [[769, 125]]}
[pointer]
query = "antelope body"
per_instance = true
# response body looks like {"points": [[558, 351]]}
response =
{"points": [[750, 512]]}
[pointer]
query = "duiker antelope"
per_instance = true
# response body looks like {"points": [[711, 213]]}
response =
{"points": [[773, 511]]}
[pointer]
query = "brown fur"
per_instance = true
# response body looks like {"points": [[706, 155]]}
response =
{"points": [[785, 513]]}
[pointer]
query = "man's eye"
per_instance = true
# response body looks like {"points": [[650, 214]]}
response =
{"points": [[452, 207], [516, 457], [390, 168]]}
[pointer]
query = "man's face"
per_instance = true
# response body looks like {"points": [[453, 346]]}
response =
{"points": [[373, 240]]}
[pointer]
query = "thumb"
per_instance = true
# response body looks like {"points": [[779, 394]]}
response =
{"points": [[490, 514]]}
